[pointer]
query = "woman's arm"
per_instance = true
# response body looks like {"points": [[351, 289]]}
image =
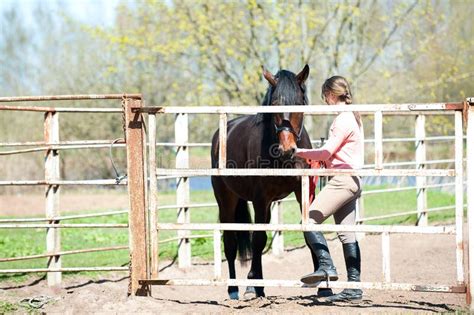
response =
{"points": [[314, 154], [337, 138]]}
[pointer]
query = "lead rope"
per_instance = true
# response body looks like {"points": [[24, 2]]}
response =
{"points": [[36, 302], [118, 177]]}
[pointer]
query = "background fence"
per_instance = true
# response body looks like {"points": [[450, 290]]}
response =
{"points": [[52, 145], [53, 220]]}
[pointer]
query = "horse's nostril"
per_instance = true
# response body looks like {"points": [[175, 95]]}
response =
{"points": [[281, 151]]}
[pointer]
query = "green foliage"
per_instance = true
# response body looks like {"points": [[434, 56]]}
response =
{"points": [[211, 53], [7, 307]]}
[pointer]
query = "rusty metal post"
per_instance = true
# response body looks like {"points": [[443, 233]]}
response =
{"points": [[470, 198], [137, 220], [53, 239]]}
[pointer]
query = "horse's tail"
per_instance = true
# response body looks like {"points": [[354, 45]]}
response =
{"points": [[242, 215]]}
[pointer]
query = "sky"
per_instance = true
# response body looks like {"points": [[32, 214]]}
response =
{"points": [[95, 12]]}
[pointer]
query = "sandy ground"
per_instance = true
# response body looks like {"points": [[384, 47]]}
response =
{"points": [[414, 259]]}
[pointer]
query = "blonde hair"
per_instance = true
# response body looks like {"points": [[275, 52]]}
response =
{"points": [[339, 87]]}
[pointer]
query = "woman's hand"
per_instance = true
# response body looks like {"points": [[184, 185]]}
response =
{"points": [[312, 163]]}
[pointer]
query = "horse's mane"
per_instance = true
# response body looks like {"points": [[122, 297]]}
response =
{"points": [[285, 93]]}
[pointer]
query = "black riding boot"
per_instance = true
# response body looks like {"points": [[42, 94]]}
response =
{"points": [[322, 292], [319, 247], [352, 258]]}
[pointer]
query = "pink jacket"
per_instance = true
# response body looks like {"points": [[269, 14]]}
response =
{"points": [[345, 146]]}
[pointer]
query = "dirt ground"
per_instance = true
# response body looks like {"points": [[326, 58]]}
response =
{"points": [[414, 259]]}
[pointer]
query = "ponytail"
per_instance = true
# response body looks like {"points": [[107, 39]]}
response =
{"points": [[339, 86]]}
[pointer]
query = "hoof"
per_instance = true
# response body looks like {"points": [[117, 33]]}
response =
{"points": [[250, 293], [234, 295]]}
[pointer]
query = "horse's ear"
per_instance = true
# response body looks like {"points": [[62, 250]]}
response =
{"points": [[303, 75], [269, 77]]}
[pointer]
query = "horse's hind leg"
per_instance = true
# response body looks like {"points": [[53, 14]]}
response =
{"points": [[259, 240], [227, 202]]}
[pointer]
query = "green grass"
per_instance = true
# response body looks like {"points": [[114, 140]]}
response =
{"points": [[21, 242], [393, 202], [7, 307]]}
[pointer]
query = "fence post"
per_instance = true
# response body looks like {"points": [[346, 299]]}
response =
{"points": [[386, 256], [153, 196], [223, 140], [305, 200], [360, 214], [182, 189], [137, 219], [378, 135], [470, 198], [53, 239], [217, 255], [421, 197], [278, 245], [458, 160]]}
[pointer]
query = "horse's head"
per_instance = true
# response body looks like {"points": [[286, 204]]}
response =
{"points": [[286, 88]]}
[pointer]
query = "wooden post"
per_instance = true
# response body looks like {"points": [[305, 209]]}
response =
{"points": [[137, 219], [421, 197], [386, 256], [360, 215], [378, 159], [153, 196], [305, 199], [182, 189], [470, 198], [217, 255], [53, 240], [458, 158], [278, 246], [378, 135], [222, 140]]}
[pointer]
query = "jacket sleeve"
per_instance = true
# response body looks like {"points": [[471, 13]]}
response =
{"points": [[338, 135]]}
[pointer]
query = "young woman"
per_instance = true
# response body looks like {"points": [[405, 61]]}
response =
{"points": [[343, 150]]}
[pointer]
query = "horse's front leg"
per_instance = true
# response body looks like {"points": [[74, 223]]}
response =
{"points": [[259, 240]]}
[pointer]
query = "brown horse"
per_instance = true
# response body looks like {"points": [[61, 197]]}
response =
{"points": [[260, 141]]}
